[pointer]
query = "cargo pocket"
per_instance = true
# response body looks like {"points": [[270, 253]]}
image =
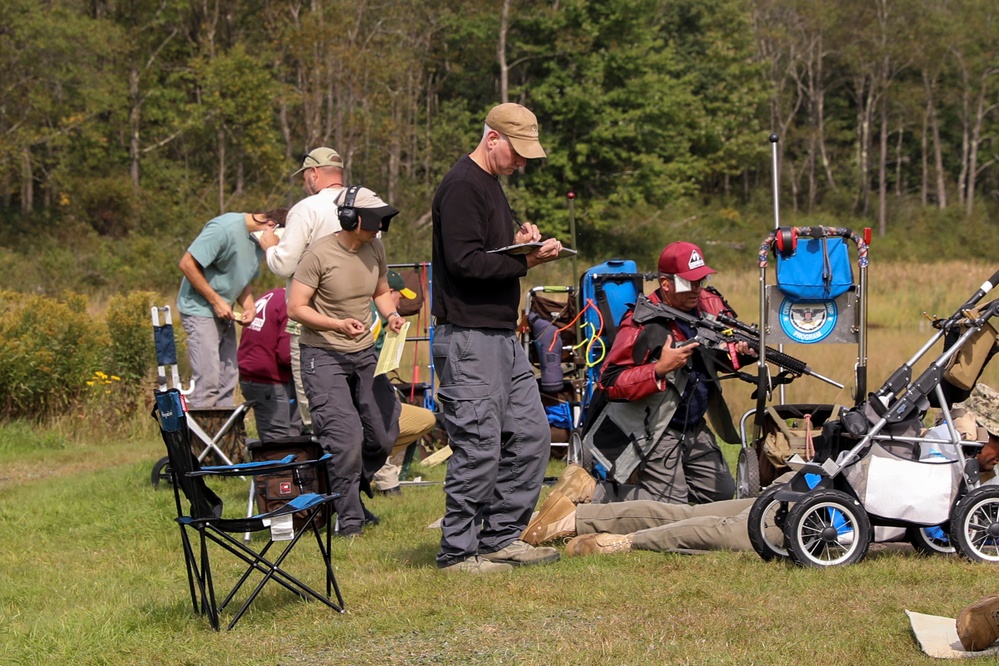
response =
{"points": [[465, 407]]}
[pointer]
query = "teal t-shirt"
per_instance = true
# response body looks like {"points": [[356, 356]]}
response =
{"points": [[230, 258]]}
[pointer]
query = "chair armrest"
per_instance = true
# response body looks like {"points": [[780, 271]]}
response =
{"points": [[259, 467]]}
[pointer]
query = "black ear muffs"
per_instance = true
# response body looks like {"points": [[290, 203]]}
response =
{"points": [[347, 213]]}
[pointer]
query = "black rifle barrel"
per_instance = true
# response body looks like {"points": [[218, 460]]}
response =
{"points": [[727, 329]]}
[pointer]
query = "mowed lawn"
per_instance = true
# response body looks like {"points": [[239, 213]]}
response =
{"points": [[91, 570], [92, 574]]}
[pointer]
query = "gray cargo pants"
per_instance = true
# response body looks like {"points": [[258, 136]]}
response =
{"points": [[499, 436], [356, 417]]}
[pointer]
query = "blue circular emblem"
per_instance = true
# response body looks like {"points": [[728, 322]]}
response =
{"points": [[808, 322]]}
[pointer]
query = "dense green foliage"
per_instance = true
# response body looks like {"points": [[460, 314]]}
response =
{"points": [[126, 126], [51, 349], [57, 357]]}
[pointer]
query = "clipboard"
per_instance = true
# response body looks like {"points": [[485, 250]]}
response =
{"points": [[526, 248]]}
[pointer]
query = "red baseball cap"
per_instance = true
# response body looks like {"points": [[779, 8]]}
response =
{"points": [[684, 260]]}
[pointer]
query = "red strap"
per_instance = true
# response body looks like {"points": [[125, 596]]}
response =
{"points": [[733, 355]]}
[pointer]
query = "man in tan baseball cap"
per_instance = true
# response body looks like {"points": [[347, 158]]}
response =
{"points": [[320, 157], [489, 393]]}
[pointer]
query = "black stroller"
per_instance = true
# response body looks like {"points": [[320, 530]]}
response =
{"points": [[877, 467]]}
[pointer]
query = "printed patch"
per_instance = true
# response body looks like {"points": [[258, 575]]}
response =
{"points": [[808, 323]]}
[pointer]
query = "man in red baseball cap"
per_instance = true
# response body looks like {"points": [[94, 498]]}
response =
{"points": [[676, 459]]}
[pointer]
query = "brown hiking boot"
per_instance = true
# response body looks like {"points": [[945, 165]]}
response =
{"points": [[521, 554], [978, 624], [575, 483], [555, 519], [476, 565], [598, 544]]}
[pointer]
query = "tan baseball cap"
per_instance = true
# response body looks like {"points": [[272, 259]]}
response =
{"points": [[320, 157], [519, 125]]}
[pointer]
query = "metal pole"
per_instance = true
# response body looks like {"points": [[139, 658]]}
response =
{"points": [[575, 276], [572, 232], [774, 139]]}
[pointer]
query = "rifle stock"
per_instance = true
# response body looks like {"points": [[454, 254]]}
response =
{"points": [[723, 332]]}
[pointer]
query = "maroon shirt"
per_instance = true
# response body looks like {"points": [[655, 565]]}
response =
{"points": [[264, 355]]}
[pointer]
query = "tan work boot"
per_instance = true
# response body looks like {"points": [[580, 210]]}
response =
{"points": [[978, 624], [555, 519], [521, 554], [598, 544], [476, 565], [575, 483]]}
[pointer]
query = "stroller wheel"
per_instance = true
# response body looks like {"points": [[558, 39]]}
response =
{"points": [[931, 540], [766, 525], [161, 472], [747, 474], [827, 528], [974, 525]]}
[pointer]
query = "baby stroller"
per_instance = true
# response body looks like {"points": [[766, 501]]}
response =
{"points": [[878, 470]]}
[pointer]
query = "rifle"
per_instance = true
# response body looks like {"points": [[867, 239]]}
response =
{"points": [[722, 332]]}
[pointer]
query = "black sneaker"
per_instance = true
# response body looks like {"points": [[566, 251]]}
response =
{"points": [[369, 518]]}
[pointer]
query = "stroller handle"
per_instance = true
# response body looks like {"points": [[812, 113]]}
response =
{"points": [[986, 287]]}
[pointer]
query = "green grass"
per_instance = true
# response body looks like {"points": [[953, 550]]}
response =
{"points": [[92, 574], [91, 569]]}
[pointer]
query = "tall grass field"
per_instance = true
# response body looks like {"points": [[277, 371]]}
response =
{"points": [[91, 570]]}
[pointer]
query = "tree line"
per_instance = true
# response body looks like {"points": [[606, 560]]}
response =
{"points": [[128, 118]]}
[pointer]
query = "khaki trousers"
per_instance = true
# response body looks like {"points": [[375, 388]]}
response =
{"points": [[671, 527], [414, 423]]}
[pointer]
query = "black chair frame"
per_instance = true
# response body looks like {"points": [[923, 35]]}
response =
{"points": [[205, 518]]}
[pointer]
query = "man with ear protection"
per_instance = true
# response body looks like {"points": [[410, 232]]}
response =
{"points": [[355, 415]]}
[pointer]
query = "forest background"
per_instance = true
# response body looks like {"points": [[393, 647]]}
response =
{"points": [[126, 124]]}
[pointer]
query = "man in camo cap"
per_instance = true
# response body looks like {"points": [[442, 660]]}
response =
{"points": [[984, 404]]}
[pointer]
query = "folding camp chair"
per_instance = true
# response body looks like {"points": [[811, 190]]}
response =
{"points": [[214, 532], [548, 332], [225, 422]]}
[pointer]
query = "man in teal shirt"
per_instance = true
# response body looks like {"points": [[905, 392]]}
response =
{"points": [[218, 268]]}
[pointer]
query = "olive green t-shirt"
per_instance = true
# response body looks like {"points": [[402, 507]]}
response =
{"points": [[344, 282]]}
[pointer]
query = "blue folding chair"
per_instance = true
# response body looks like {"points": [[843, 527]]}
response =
{"points": [[204, 517]]}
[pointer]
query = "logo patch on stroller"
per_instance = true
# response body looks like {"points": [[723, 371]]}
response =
{"points": [[808, 322], [284, 488]]}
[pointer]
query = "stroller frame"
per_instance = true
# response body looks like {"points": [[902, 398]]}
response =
{"points": [[825, 521]]}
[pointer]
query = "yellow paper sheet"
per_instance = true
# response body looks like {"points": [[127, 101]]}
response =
{"points": [[391, 354]]}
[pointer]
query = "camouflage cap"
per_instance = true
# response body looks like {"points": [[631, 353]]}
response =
{"points": [[984, 403]]}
